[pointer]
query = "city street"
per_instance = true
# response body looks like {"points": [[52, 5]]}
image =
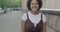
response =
{"points": [[11, 22]]}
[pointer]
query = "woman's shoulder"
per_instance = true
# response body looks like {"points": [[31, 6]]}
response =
{"points": [[42, 14], [24, 16], [44, 17]]}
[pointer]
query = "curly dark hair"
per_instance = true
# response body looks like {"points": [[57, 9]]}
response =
{"points": [[29, 3]]}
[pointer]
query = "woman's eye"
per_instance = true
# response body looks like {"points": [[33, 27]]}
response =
{"points": [[36, 3]]}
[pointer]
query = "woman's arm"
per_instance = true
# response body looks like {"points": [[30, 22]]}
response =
{"points": [[44, 27], [22, 25]]}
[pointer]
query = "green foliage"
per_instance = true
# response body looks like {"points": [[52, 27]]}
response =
{"points": [[10, 3]]}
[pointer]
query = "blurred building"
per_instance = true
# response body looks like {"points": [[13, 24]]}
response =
{"points": [[50, 4]]}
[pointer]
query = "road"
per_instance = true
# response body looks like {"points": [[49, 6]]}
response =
{"points": [[11, 22]]}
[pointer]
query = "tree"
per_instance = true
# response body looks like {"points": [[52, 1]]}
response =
{"points": [[10, 3]]}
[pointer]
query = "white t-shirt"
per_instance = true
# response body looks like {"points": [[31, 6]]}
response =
{"points": [[34, 18]]}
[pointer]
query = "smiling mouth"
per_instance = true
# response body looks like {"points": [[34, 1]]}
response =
{"points": [[34, 7]]}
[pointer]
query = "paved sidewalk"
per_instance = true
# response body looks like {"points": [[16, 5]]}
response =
{"points": [[10, 22], [48, 29]]}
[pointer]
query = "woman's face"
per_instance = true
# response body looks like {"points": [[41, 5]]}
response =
{"points": [[34, 5]]}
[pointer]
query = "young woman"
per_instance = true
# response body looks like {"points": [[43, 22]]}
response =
{"points": [[33, 21]]}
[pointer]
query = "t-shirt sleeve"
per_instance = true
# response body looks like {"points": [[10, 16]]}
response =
{"points": [[44, 18], [24, 17]]}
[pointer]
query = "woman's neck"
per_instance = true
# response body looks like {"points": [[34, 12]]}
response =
{"points": [[35, 12]]}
